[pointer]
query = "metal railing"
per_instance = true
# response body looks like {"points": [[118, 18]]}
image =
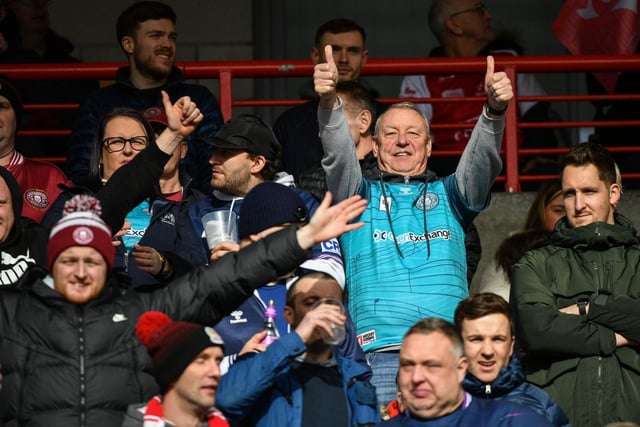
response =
{"points": [[227, 71]]}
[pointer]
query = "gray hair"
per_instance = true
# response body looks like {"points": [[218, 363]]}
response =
{"points": [[430, 325], [403, 106]]}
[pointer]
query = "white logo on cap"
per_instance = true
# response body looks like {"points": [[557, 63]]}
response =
{"points": [[82, 235], [213, 335]]}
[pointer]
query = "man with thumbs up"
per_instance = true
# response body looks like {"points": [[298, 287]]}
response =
{"points": [[408, 261]]}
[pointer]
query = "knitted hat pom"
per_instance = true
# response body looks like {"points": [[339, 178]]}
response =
{"points": [[82, 203], [150, 324]]}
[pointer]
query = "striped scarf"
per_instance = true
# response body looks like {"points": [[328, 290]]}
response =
{"points": [[153, 415]]}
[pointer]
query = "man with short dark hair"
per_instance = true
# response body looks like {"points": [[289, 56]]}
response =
{"points": [[297, 128], [432, 368], [486, 325], [576, 300], [147, 35], [246, 153], [299, 380]]}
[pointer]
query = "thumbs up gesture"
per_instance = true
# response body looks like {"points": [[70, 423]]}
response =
{"points": [[497, 86], [325, 79]]}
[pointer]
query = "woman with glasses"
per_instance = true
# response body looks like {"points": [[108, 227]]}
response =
{"points": [[157, 241]]}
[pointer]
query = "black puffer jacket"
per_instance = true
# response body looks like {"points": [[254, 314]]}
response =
{"points": [[80, 365]]}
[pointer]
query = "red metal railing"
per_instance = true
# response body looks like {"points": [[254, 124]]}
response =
{"points": [[227, 71]]}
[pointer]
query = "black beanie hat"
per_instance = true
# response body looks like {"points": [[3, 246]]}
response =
{"points": [[9, 91], [173, 345], [267, 205]]}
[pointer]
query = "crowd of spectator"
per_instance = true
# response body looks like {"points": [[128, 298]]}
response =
{"points": [[352, 241]]}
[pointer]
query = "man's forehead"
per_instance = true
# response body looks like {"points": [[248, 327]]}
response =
{"points": [[402, 118], [345, 39], [432, 346], [160, 25], [489, 324], [574, 176], [317, 287]]}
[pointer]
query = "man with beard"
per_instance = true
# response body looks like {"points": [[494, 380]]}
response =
{"points": [[147, 35], [246, 154]]}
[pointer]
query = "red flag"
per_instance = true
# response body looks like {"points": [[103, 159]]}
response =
{"points": [[607, 27]]}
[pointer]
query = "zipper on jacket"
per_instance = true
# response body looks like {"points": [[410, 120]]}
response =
{"points": [[487, 390], [599, 381], [81, 348]]}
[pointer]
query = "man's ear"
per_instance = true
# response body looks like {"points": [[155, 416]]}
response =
{"points": [[316, 56], [374, 148], [463, 363], [128, 45], [364, 121], [614, 194], [453, 27], [287, 312], [183, 149], [258, 164]]}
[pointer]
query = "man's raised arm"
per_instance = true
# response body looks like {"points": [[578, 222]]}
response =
{"points": [[340, 161]]}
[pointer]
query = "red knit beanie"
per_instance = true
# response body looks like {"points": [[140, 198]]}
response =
{"points": [[173, 345], [81, 225]]}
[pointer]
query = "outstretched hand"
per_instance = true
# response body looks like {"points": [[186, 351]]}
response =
{"points": [[498, 86], [329, 222], [325, 79]]}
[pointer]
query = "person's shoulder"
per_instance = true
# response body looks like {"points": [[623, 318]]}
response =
{"points": [[503, 412], [134, 417], [50, 168], [294, 113]]}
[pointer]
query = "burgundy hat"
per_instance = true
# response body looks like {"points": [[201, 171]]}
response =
{"points": [[81, 225], [157, 118], [173, 345]]}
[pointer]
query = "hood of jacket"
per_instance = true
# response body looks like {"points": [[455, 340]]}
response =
{"points": [[597, 235]]}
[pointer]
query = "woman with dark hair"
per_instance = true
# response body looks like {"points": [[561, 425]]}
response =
{"points": [[545, 210], [157, 241]]}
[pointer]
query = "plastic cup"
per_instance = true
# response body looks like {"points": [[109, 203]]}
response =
{"points": [[220, 226], [338, 332]]}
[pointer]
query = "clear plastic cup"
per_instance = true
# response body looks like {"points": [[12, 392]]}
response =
{"points": [[220, 226], [338, 332]]}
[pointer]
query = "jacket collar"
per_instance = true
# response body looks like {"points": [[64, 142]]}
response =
{"points": [[598, 235], [509, 378], [123, 77]]}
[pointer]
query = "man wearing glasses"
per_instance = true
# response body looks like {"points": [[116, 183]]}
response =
{"points": [[463, 28]]}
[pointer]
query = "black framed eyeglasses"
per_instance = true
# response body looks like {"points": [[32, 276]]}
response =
{"points": [[117, 143], [480, 9]]}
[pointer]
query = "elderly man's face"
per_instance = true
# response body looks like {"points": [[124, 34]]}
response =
{"points": [[79, 274], [402, 144], [7, 217]]}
